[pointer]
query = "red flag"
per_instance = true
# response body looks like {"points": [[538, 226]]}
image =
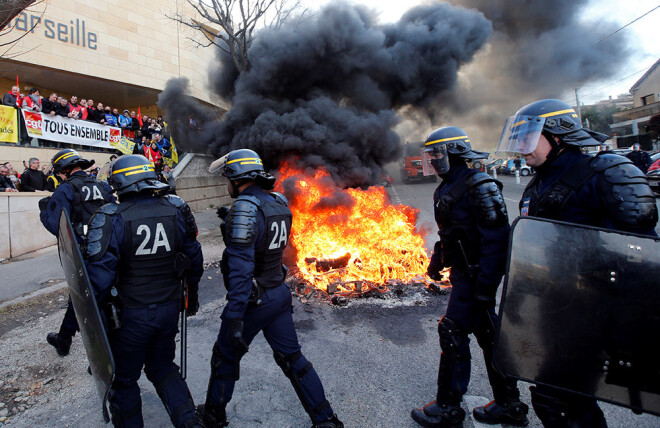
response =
{"points": [[17, 85], [140, 117]]}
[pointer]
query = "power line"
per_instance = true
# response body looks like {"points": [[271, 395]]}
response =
{"points": [[614, 83], [636, 19]]}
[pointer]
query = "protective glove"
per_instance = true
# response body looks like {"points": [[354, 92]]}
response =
{"points": [[435, 265], [193, 304], [484, 295], [236, 336], [222, 212], [43, 203]]}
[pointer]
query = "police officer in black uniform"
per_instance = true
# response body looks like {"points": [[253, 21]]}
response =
{"points": [[256, 231], [140, 250], [80, 196], [473, 227], [605, 191]]}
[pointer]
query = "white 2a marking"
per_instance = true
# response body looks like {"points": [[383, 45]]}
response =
{"points": [[279, 237], [160, 240]]}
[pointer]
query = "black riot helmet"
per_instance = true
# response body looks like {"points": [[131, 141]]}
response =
{"points": [[243, 165], [133, 173], [552, 118], [443, 143], [69, 158]]}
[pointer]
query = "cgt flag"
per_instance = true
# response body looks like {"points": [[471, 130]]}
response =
{"points": [[124, 145]]}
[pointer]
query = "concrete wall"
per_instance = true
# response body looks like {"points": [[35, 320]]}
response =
{"points": [[20, 227]]}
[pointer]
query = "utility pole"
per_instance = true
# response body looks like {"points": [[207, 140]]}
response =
{"points": [[577, 101]]}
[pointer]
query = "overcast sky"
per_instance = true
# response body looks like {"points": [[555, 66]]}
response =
{"points": [[645, 32]]}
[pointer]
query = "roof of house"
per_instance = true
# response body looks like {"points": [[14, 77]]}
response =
{"points": [[647, 74]]}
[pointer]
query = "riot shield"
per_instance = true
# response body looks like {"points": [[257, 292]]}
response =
{"points": [[92, 329], [580, 311]]}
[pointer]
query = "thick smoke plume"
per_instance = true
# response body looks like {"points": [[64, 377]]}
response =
{"points": [[326, 91], [538, 49]]}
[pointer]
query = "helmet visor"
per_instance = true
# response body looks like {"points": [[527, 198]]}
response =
{"points": [[104, 171], [435, 160], [521, 134], [218, 165]]}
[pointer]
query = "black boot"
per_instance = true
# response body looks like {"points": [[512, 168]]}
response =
{"points": [[212, 416], [435, 415], [195, 422], [332, 422], [511, 412], [61, 343]]}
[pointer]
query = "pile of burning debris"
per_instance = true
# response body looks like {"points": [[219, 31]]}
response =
{"points": [[350, 242], [339, 291]]}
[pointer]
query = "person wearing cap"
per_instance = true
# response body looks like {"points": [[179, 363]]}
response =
{"points": [[80, 196], [125, 121], [145, 248], [473, 226], [256, 231], [640, 158]]}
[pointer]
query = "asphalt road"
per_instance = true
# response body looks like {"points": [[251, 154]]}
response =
{"points": [[377, 358]]}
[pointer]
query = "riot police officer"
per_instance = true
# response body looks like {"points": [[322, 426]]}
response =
{"points": [[605, 191], [473, 227], [140, 250], [80, 196], [256, 231]]}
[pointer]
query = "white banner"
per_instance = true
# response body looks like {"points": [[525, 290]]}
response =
{"points": [[67, 130]]}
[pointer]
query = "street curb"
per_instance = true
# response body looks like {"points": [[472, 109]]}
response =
{"points": [[34, 294]]}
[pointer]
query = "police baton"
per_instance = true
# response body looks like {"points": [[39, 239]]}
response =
{"points": [[184, 330]]}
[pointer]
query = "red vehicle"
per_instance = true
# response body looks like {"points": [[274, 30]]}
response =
{"points": [[411, 164]]}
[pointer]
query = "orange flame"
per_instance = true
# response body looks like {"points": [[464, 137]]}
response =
{"points": [[351, 239]]}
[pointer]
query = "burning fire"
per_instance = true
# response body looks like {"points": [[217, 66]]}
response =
{"points": [[350, 240]]}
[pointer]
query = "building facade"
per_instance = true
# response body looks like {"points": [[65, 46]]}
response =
{"points": [[115, 52]]}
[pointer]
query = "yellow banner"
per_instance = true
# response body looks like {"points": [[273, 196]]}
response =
{"points": [[8, 125], [124, 145]]}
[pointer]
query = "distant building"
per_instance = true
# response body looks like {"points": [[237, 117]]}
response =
{"points": [[633, 123]]}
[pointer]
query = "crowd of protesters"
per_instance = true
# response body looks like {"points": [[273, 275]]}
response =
{"points": [[149, 134], [83, 109]]}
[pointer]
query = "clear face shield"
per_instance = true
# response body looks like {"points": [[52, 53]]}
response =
{"points": [[521, 134], [435, 160], [218, 165]]}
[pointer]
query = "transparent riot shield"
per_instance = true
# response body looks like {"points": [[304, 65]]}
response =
{"points": [[92, 329], [580, 311]]}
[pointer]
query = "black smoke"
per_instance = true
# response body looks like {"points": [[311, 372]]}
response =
{"points": [[538, 49], [327, 91]]}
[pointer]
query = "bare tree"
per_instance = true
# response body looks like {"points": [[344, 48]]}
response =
{"points": [[237, 20], [9, 9]]}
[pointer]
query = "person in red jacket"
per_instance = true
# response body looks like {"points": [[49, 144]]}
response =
{"points": [[32, 101], [12, 98]]}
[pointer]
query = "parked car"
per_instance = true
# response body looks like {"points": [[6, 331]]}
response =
{"points": [[386, 180], [654, 181], [509, 168], [655, 158]]}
